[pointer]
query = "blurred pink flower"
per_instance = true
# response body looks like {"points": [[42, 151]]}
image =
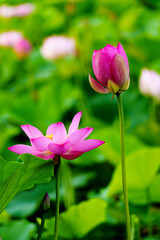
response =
{"points": [[9, 39], [58, 46], [22, 47], [111, 68], [149, 83], [15, 40], [16, 11], [57, 141]]}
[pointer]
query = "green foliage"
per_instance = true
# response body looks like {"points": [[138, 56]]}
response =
{"points": [[40, 92], [80, 219], [18, 230], [21, 175], [139, 175], [135, 228]]}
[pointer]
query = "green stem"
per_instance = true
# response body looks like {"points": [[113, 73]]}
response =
{"points": [[149, 216], [135, 228], [152, 111], [41, 227], [57, 172], [121, 118]]}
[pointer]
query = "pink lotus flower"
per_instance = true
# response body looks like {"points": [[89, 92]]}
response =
{"points": [[111, 68], [58, 46], [15, 40], [16, 11], [149, 83], [23, 47], [57, 141]]}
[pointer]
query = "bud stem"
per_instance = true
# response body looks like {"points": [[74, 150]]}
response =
{"points": [[124, 180], [42, 226], [57, 173]]}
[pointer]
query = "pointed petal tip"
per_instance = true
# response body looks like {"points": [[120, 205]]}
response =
{"points": [[119, 44], [100, 142], [31, 131], [87, 145], [75, 123], [79, 113], [23, 125]]}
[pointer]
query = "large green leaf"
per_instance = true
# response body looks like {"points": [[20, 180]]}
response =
{"points": [[21, 175], [25, 203], [18, 230], [80, 219], [141, 166], [112, 148], [151, 194]]}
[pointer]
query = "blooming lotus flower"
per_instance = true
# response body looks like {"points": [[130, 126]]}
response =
{"points": [[149, 83], [57, 141], [58, 46], [15, 40], [16, 11], [111, 68]]}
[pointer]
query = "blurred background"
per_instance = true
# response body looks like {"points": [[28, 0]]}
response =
{"points": [[46, 52]]}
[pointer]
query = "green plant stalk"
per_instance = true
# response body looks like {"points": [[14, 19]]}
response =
{"points": [[124, 180], [41, 227], [149, 216], [57, 172], [135, 228]]}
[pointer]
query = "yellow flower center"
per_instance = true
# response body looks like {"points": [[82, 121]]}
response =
{"points": [[46, 153], [50, 136]]}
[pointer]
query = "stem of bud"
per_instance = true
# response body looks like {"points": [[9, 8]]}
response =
{"points": [[124, 180]]}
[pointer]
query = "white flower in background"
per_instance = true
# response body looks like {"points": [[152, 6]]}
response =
{"points": [[15, 40], [9, 39], [16, 11], [149, 83], [58, 46]]}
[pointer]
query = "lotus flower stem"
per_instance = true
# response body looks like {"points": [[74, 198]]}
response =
{"points": [[41, 227], [121, 118], [57, 173]]}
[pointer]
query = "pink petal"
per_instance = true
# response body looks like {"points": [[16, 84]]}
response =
{"points": [[75, 123], [122, 52], [96, 86], [87, 134], [59, 132], [31, 132], [78, 135], [59, 149], [101, 62], [119, 70], [20, 149], [41, 143], [51, 129], [70, 155], [51, 156], [87, 145], [109, 50]]}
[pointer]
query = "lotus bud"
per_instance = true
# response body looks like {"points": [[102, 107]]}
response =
{"points": [[46, 202], [111, 68]]}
